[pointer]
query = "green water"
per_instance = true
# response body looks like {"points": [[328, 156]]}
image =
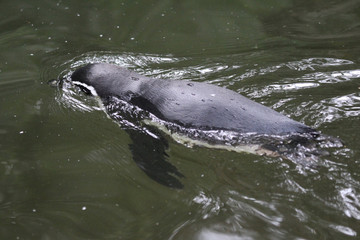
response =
{"points": [[66, 171]]}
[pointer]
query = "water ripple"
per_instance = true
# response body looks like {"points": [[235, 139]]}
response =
{"points": [[333, 109], [210, 206], [344, 230], [351, 201]]}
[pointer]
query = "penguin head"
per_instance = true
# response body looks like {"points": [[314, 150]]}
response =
{"points": [[97, 78]]}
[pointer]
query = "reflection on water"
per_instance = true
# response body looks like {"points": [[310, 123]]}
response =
{"points": [[336, 108], [351, 202], [66, 170]]}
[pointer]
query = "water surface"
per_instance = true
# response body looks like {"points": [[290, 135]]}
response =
{"points": [[67, 172]]}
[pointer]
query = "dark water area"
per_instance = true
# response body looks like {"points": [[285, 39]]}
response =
{"points": [[66, 170]]}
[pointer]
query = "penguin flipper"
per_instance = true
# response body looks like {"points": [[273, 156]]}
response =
{"points": [[149, 154]]}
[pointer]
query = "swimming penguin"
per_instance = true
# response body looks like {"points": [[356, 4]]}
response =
{"points": [[184, 107]]}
